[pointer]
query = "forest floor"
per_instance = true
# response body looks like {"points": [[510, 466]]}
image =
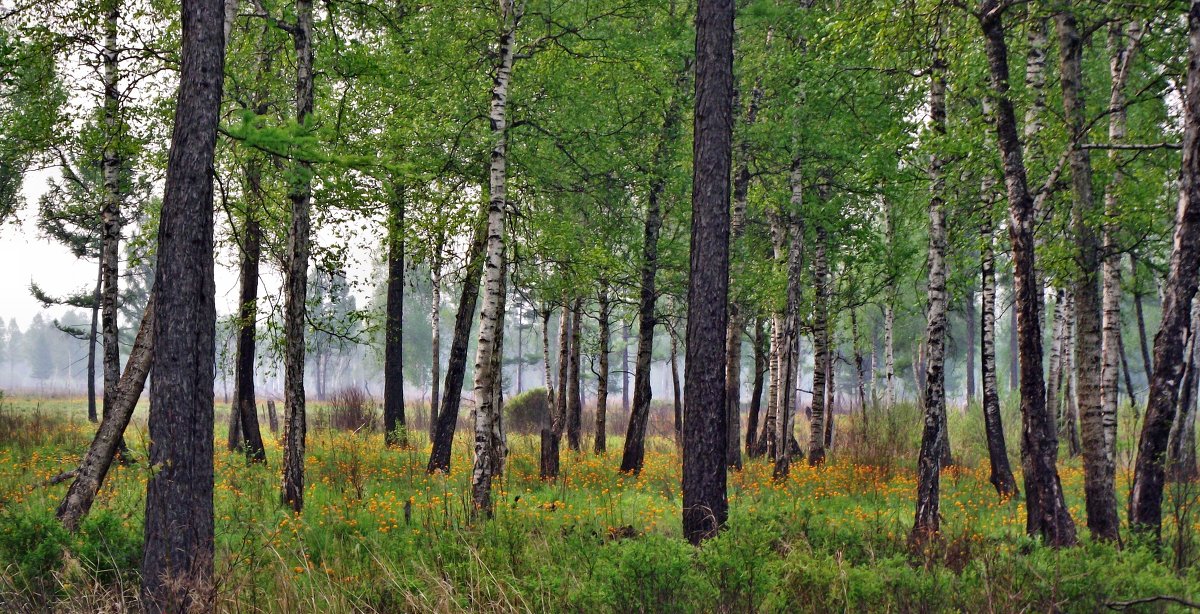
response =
{"points": [[380, 534]]}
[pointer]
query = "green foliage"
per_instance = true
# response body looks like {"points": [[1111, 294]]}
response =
{"points": [[525, 412]]}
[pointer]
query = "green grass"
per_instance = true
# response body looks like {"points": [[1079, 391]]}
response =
{"points": [[379, 534]]}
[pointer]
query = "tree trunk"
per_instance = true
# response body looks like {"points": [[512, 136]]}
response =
{"points": [[969, 308], [1058, 340], [247, 432], [1181, 444], [601, 445], [816, 444], [625, 369], [633, 456], [733, 338], [794, 232], [548, 465], [93, 417], [498, 441], [177, 559], [96, 462], [574, 400], [705, 506], [1122, 40], [456, 365], [1126, 372], [491, 318], [767, 440], [110, 210], [1145, 504], [1147, 362], [1099, 474], [1014, 352], [760, 367], [1068, 406], [927, 520], [1046, 508], [394, 426], [435, 324], [676, 391], [1001, 473], [733, 388], [296, 282]]}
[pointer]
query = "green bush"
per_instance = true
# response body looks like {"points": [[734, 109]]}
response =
{"points": [[524, 413]]}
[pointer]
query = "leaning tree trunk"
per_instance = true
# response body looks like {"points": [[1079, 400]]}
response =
{"points": [[96, 462], [821, 354], [1001, 475], [1099, 474], [705, 506], [927, 520], [633, 455], [456, 365], [296, 284], [491, 318], [110, 210], [1046, 508], [601, 445], [574, 399], [1145, 501], [177, 560], [394, 427], [243, 396]]}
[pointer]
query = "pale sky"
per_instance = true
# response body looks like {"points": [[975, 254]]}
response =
{"points": [[27, 256]]}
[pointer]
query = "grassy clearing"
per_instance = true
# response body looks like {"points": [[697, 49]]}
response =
{"points": [[379, 534]]}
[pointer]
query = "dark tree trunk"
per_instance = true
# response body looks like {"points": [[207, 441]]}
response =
{"points": [[1047, 513], [92, 339], [789, 236], [1014, 352], [1181, 444], [296, 284], [1128, 376], [435, 323], [394, 426], [1139, 311], [1145, 502], [601, 445], [244, 408], [760, 368], [574, 394], [705, 506], [177, 559], [821, 355], [676, 391], [1001, 473], [969, 309], [625, 369], [456, 365], [633, 455], [99, 457], [1099, 472]]}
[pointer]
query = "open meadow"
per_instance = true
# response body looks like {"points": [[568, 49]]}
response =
{"points": [[379, 534]]}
